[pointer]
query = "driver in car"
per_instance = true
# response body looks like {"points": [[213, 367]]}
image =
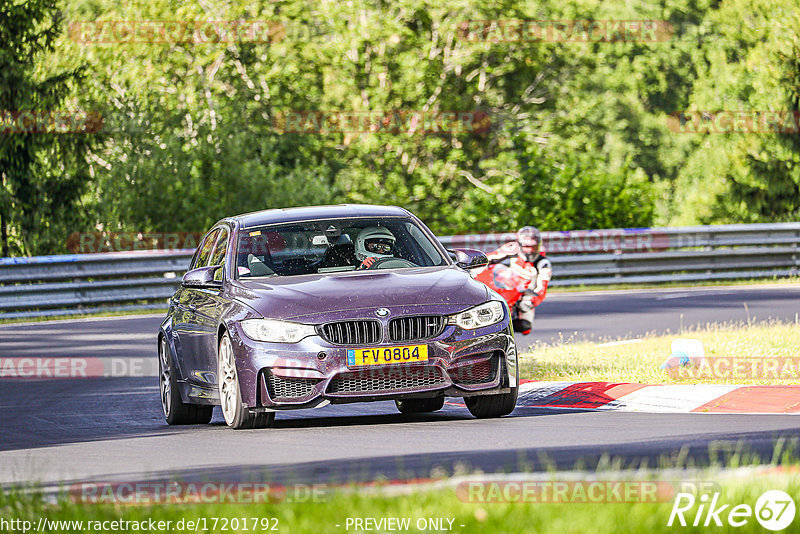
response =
{"points": [[372, 244]]}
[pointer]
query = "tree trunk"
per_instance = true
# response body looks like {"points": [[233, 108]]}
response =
{"points": [[4, 253], [4, 237]]}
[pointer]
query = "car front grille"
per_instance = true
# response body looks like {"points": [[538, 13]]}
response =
{"points": [[385, 380], [352, 332], [289, 388], [416, 328], [476, 373]]}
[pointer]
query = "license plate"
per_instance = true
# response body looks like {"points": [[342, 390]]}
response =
{"points": [[387, 355]]}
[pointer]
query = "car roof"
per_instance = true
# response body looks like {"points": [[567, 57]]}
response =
{"points": [[340, 211]]}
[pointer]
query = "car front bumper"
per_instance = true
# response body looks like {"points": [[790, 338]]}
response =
{"points": [[314, 372]]}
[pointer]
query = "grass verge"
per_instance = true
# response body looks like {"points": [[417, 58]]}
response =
{"points": [[452, 510], [639, 360]]}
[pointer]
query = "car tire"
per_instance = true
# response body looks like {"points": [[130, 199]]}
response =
{"points": [[237, 415], [486, 406], [420, 405], [177, 412]]}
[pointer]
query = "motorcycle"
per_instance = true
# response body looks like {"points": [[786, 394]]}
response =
{"points": [[515, 282]]}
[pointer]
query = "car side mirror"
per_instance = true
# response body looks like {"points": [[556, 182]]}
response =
{"points": [[202, 277], [468, 258]]}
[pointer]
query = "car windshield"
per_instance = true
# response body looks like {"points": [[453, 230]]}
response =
{"points": [[334, 245]]}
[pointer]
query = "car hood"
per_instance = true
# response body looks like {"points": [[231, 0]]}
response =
{"points": [[328, 297]]}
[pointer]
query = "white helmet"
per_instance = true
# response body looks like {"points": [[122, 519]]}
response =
{"points": [[375, 242], [529, 238]]}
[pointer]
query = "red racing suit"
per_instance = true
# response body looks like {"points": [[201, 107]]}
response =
{"points": [[521, 282]]}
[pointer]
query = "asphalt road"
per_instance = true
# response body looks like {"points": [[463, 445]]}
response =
{"points": [[112, 428]]}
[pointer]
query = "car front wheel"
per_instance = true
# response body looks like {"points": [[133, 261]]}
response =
{"points": [[486, 406], [236, 414], [177, 412]]}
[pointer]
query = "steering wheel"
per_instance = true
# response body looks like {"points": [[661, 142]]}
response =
{"points": [[391, 263]]}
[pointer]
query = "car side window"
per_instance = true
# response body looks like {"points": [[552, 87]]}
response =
{"points": [[218, 255], [201, 260]]}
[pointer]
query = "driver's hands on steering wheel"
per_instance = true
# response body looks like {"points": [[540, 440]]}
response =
{"points": [[385, 263], [367, 263]]}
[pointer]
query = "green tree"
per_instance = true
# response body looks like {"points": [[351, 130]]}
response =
{"points": [[577, 135], [751, 66], [42, 175]]}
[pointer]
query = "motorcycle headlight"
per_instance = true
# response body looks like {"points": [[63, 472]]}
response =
{"points": [[276, 331], [479, 316]]}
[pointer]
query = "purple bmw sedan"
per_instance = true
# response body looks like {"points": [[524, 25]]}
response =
{"points": [[302, 307]]}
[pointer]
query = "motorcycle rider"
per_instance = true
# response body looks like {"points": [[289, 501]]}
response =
{"points": [[520, 272]]}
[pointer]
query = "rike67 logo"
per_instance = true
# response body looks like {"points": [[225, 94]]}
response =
{"points": [[774, 510]]}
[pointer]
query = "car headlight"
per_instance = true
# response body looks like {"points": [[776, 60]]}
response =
{"points": [[479, 316], [276, 331]]}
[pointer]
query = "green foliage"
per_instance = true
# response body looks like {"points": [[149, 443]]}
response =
{"points": [[577, 132], [42, 175], [754, 64], [609, 495]]}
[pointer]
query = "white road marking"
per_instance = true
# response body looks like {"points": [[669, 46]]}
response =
{"points": [[678, 398]]}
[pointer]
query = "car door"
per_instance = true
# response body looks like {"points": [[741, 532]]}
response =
{"points": [[209, 305], [185, 301]]}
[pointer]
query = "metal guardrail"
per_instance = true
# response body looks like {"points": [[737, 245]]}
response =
{"points": [[82, 283]]}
